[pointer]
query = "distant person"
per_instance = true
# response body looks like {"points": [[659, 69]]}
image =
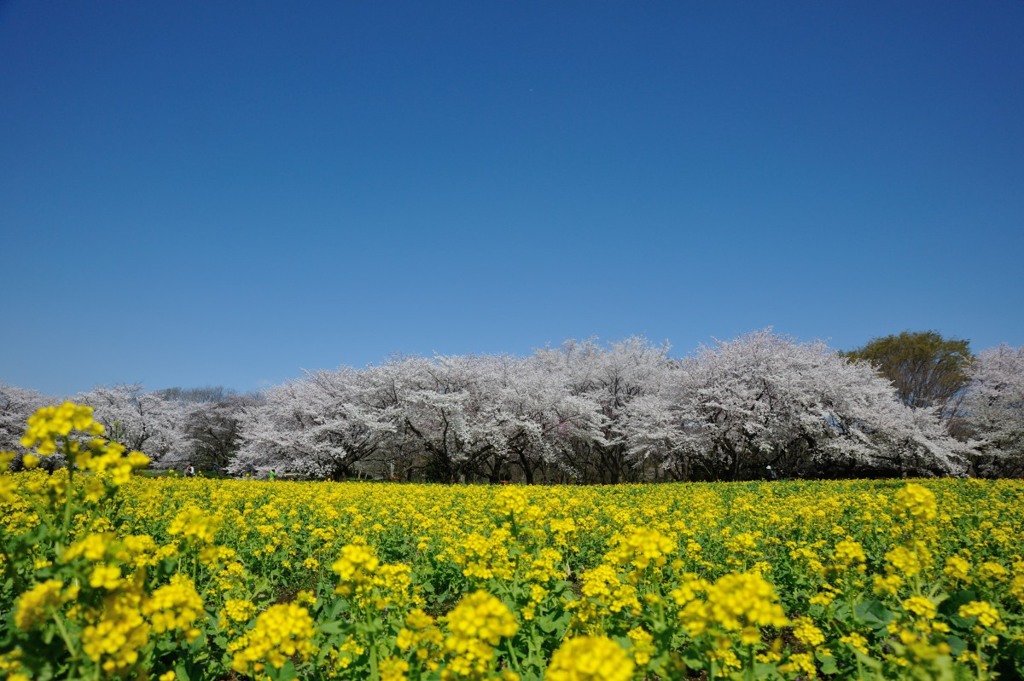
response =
{"points": [[190, 471], [272, 475], [770, 473]]}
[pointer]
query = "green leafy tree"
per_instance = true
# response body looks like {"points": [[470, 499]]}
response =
{"points": [[927, 370]]}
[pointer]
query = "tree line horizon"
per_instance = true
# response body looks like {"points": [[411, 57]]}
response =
{"points": [[761, 405]]}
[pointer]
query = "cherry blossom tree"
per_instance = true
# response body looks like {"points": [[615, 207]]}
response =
{"points": [[211, 426], [540, 418], [446, 409], [764, 400], [994, 408], [457, 418], [610, 379], [139, 420], [315, 426], [16, 405]]}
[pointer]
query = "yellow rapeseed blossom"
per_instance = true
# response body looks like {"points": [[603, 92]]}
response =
{"points": [[235, 610], [986, 615], [906, 561], [281, 632], [546, 566], [475, 626], [393, 669], [921, 607], [590, 658], [849, 552], [639, 548], [420, 634], [991, 571], [800, 663], [174, 607], [355, 569], [119, 632], [806, 632], [1017, 587], [510, 501], [34, 605], [194, 524], [958, 569], [855, 641], [888, 584], [49, 423], [918, 502], [643, 645], [738, 600]]}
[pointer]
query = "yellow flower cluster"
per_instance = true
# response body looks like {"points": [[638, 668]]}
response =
{"points": [[281, 632], [849, 552], [175, 607], [590, 658], [640, 548], [605, 592], [510, 502], [483, 557], [918, 502], [355, 569], [118, 632], [475, 626], [738, 601], [983, 612], [195, 525], [103, 458], [36, 604], [50, 423], [420, 634]]}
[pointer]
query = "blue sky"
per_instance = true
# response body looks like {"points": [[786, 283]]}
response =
{"points": [[197, 193]]}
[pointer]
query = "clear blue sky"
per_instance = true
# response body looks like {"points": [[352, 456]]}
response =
{"points": [[225, 193]]}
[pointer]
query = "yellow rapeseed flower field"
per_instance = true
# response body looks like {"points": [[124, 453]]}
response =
{"points": [[110, 575]]}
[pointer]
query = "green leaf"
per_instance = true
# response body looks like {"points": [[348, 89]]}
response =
{"points": [[841, 611], [956, 645], [766, 670], [332, 628], [287, 672], [181, 671], [827, 664], [949, 606], [874, 613], [547, 624], [869, 662]]}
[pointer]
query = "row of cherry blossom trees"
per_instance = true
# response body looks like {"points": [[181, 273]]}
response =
{"points": [[761, 405], [174, 427]]}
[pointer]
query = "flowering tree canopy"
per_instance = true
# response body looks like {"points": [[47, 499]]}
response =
{"points": [[994, 408], [139, 420], [759, 406], [738, 407]]}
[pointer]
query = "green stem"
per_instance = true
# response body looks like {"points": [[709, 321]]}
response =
{"points": [[67, 494], [513, 658], [374, 674], [64, 635]]}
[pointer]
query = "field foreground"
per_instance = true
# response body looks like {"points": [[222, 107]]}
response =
{"points": [[204, 579]]}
